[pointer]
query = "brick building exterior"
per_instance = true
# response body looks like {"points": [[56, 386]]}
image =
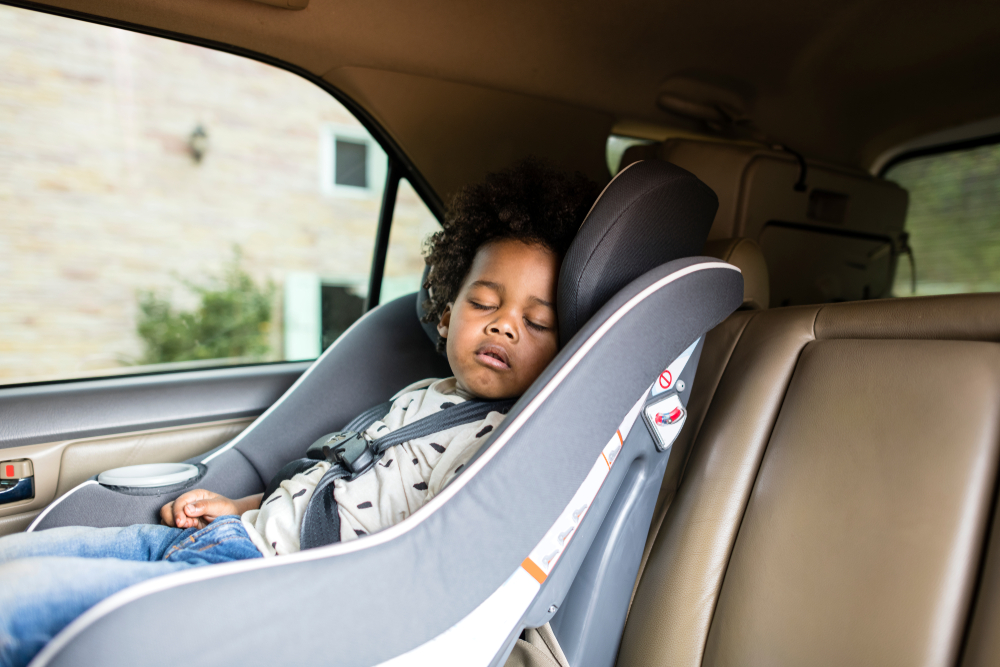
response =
{"points": [[101, 193]]}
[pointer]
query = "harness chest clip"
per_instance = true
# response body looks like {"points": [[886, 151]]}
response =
{"points": [[351, 450]]}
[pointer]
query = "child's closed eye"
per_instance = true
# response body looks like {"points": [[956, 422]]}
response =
{"points": [[536, 326], [480, 306]]}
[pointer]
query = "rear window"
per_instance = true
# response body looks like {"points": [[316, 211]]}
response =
{"points": [[953, 222]]}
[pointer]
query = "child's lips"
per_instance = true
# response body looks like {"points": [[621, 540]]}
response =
{"points": [[493, 356]]}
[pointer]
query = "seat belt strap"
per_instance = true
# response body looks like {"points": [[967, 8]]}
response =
{"points": [[456, 415], [297, 466], [321, 520], [369, 417]]}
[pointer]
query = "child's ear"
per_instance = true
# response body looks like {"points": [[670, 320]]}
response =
{"points": [[445, 322]]}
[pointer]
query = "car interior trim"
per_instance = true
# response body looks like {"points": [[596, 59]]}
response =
{"points": [[182, 398], [429, 509], [61, 465], [382, 234]]}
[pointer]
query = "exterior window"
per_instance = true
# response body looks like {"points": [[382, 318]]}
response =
{"points": [[953, 222], [167, 206], [352, 164]]}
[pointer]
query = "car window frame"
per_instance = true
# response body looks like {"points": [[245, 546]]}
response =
{"points": [[938, 149]]}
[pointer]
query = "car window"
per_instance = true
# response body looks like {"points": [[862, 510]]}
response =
{"points": [[953, 222], [615, 148], [412, 224], [168, 206]]}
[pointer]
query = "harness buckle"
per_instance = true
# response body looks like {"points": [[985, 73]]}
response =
{"points": [[351, 450]]}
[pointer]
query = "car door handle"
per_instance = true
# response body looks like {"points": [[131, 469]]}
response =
{"points": [[17, 481]]}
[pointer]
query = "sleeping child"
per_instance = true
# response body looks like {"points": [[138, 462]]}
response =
{"points": [[492, 294]]}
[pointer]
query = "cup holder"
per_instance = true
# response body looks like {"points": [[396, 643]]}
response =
{"points": [[149, 475]]}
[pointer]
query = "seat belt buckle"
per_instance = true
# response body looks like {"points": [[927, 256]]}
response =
{"points": [[351, 450]]}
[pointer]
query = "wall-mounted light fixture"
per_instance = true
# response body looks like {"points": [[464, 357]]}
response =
{"points": [[198, 143]]}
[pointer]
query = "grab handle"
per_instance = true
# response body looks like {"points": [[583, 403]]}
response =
{"points": [[17, 481]]}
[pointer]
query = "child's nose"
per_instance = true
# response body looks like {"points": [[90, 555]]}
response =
{"points": [[503, 326]]}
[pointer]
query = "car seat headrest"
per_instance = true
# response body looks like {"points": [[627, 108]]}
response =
{"points": [[422, 296], [651, 213], [746, 256]]}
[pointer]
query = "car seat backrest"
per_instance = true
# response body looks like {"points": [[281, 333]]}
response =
{"points": [[745, 255], [838, 495], [649, 218], [570, 471], [834, 236]]}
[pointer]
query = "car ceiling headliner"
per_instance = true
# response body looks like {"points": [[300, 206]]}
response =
{"points": [[464, 87]]}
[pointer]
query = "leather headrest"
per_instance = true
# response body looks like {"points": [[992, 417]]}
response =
{"points": [[745, 255], [649, 214]]}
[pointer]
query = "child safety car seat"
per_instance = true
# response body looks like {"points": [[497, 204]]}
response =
{"points": [[547, 524]]}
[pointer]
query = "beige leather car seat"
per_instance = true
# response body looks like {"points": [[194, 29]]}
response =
{"points": [[745, 255], [836, 501]]}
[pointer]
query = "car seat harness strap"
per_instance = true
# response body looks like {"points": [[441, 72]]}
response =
{"points": [[355, 453], [352, 454]]}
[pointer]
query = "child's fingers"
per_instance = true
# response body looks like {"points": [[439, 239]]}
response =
{"points": [[186, 504], [209, 508], [167, 514], [180, 519], [196, 509]]}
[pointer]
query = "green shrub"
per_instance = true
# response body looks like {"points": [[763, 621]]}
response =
{"points": [[232, 320]]}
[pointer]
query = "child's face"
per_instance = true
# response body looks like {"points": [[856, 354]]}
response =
{"points": [[501, 328]]}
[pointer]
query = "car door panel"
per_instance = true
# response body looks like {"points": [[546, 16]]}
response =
{"points": [[38, 414], [72, 431]]}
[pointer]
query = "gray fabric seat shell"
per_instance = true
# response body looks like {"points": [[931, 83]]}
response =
{"points": [[629, 303]]}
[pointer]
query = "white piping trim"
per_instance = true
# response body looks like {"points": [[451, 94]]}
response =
{"points": [[592, 206], [58, 500], [294, 386], [169, 581]]}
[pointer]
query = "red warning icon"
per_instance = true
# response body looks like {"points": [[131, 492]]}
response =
{"points": [[668, 418], [666, 379]]}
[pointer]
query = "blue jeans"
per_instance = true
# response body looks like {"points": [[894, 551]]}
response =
{"points": [[50, 577]]}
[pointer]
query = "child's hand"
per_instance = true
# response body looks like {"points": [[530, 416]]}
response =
{"points": [[197, 509]]}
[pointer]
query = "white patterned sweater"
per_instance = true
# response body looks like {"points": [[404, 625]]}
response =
{"points": [[406, 477]]}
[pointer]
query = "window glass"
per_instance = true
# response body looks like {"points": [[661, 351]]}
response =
{"points": [[412, 224], [170, 206], [352, 164], [953, 222], [616, 147]]}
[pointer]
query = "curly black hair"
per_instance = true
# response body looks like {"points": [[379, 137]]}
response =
{"points": [[530, 202]]}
